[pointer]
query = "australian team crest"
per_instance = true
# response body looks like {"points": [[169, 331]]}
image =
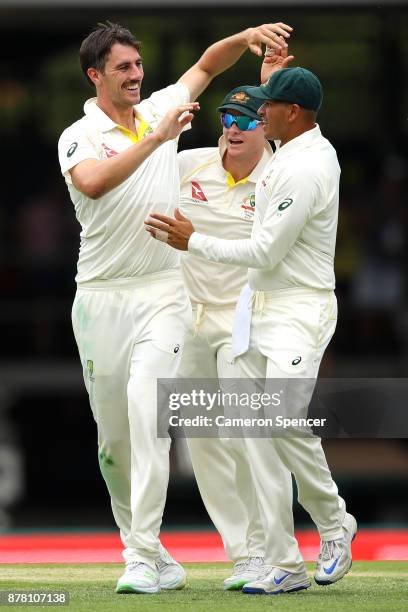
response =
{"points": [[249, 201], [239, 96], [248, 207]]}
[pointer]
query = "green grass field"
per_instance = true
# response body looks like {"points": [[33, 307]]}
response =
{"points": [[369, 586]]}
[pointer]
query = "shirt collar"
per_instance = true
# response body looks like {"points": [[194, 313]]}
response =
{"points": [[97, 116], [257, 171], [100, 119], [303, 141]]}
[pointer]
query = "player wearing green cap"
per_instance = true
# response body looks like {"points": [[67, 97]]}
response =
{"points": [[217, 192], [290, 257]]}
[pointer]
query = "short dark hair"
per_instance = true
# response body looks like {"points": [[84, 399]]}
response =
{"points": [[96, 47]]}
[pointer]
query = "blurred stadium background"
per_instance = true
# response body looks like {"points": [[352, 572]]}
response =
{"points": [[49, 475]]}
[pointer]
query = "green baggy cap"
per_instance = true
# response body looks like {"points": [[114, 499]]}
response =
{"points": [[239, 99], [293, 85]]}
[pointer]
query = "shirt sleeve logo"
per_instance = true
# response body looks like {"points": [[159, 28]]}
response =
{"points": [[72, 149], [285, 204]]}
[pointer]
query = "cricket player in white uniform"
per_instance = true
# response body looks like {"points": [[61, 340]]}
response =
{"points": [[290, 257], [131, 310], [217, 192]]}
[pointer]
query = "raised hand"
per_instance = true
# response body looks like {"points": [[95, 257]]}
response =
{"points": [[272, 35], [274, 60]]}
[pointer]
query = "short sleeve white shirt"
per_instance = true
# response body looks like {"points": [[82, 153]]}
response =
{"points": [[219, 206], [114, 243]]}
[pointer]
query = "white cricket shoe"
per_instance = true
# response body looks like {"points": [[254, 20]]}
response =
{"points": [[245, 571], [171, 574], [276, 581], [138, 578], [335, 556]]}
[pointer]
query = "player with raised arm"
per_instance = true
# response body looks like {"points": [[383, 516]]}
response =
{"points": [[131, 310], [290, 256]]}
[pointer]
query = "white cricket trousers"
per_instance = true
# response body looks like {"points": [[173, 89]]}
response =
{"points": [[129, 333], [289, 324], [221, 465]]}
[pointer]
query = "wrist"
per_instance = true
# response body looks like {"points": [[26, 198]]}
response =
{"points": [[246, 36], [157, 137]]}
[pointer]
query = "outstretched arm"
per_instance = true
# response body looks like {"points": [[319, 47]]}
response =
{"points": [[225, 53], [284, 220]]}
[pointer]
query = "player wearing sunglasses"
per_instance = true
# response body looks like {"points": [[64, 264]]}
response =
{"points": [[218, 195], [242, 122]]}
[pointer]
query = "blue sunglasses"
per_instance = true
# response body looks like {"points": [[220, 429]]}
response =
{"points": [[242, 122]]}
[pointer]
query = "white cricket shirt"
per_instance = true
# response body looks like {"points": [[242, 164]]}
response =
{"points": [[294, 233], [216, 205], [114, 243]]}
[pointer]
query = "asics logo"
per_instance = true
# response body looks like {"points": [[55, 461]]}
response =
{"points": [[72, 149], [330, 570], [285, 204], [281, 579]]}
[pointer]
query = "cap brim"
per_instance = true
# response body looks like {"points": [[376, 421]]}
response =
{"points": [[242, 109], [257, 92]]}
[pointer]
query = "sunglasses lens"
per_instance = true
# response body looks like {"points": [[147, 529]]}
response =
{"points": [[227, 120], [243, 123]]}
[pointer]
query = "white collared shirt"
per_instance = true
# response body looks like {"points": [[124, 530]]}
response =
{"points": [[114, 243], [294, 233], [217, 206]]}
